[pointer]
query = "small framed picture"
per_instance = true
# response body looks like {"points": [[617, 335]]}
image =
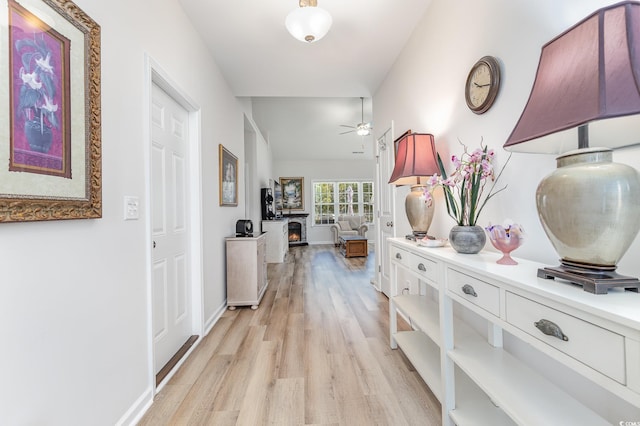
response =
{"points": [[228, 177]]}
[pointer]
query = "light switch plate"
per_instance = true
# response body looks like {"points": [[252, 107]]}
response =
{"points": [[131, 208]]}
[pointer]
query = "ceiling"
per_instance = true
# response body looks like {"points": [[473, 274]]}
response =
{"points": [[302, 92]]}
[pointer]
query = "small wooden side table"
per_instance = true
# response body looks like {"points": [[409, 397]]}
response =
{"points": [[353, 246]]}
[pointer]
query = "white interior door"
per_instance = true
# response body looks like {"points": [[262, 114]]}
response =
{"points": [[385, 159], [170, 272]]}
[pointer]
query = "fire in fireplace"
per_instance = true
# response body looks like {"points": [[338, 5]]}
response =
{"points": [[297, 229], [294, 232]]}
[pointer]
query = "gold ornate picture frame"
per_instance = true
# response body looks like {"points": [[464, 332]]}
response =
{"points": [[50, 114], [292, 193]]}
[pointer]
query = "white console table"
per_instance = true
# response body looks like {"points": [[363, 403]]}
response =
{"points": [[476, 380]]}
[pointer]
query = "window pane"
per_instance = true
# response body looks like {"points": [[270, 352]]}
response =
{"points": [[367, 200], [323, 195], [348, 197]]}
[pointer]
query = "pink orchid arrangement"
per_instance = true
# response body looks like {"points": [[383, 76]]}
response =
{"points": [[465, 187]]}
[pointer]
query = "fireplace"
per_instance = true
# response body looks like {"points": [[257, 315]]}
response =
{"points": [[297, 229]]}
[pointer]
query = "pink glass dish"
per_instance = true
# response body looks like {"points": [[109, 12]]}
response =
{"points": [[506, 240]]}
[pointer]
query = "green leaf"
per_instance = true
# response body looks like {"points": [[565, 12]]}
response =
{"points": [[448, 195]]}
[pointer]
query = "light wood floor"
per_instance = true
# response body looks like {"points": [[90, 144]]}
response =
{"points": [[316, 352]]}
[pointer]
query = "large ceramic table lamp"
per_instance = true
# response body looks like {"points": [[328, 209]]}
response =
{"points": [[415, 160], [587, 88]]}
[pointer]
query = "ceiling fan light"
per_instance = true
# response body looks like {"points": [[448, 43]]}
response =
{"points": [[308, 24], [363, 130]]}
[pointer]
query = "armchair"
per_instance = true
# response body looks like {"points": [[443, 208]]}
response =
{"points": [[348, 225]]}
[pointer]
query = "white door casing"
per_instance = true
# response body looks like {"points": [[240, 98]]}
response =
{"points": [[171, 289], [385, 204]]}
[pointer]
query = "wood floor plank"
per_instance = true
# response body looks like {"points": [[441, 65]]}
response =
{"points": [[277, 324], [296, 299], [197, 406], [254, 408], [318, 380], [286, 405], [292, 359], [262, 315], [237, 333], [165, 405], [315, 352], [201, 356], [234, 385]]}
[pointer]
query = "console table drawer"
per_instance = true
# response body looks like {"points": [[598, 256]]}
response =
{"points": [[425, 267], [401, 256], [597, 347], [478, 292]]}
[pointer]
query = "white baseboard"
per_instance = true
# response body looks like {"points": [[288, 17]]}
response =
{"points": [[208, 324], [143, 403], [137, 410]]}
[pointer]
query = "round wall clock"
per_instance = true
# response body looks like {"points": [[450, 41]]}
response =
{"points": [[483, 84]]}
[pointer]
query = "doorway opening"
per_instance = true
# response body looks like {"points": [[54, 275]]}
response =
{"points": [[174, 204]]}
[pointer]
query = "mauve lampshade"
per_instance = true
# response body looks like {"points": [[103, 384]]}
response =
{"points": [[415, 158], [587, 75]]}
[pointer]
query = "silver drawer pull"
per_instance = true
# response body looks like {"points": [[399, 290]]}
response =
{"points": [[422, 267], [468, 289], [398, 256], [550, 329]]}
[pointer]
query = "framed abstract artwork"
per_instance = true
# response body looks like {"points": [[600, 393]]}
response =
{"points": [[50, 118], [228, 177], [292, 193]]}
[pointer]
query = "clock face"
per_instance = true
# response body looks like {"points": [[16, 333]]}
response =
{"points": [[479, 85], [483, 83]]}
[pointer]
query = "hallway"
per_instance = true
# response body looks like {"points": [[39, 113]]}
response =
{"points": [[315, 352]]}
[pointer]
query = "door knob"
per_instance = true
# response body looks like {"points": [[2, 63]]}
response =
{"points": [[389, 223], [154, 244]]}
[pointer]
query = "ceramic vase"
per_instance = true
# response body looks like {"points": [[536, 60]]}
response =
{"points": [[589, 207], [38, 136], [467, 239], [419, 213]]}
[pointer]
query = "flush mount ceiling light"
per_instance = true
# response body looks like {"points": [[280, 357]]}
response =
{"points": [[308, 23]]}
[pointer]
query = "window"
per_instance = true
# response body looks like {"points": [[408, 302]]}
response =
{"points": [[323, 208], [331, 199]]}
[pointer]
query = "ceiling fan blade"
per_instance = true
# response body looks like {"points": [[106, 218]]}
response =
{"points": [[344, 125], [348, 131]]}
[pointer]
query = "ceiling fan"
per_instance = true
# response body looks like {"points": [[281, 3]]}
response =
{"points": [[362, 128]]}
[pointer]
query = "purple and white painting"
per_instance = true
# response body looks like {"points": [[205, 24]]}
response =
{"points": [[40, 110]]}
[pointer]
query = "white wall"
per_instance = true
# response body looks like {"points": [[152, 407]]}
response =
{"points": [[73, 296], [323, 170], [424, 92], [258, 154]]}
